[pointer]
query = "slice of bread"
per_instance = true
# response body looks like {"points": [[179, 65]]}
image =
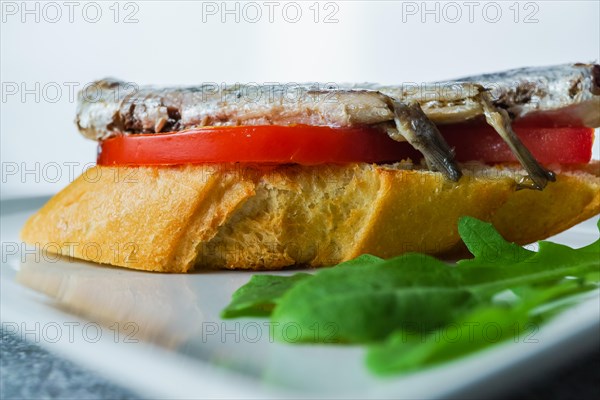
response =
{"points": [[175, 219]]}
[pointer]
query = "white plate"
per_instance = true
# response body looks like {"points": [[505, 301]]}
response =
{"points": [[179, 347]]}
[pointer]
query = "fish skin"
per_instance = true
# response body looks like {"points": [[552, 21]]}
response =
{"points": [[574, 88], [413, 125], [569, 91], [115, 111]]}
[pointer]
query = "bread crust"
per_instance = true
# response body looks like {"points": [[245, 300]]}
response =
{"points": [[175, 219]]}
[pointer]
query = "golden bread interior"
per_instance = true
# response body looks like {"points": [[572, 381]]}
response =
{"points": [[176, 219]]}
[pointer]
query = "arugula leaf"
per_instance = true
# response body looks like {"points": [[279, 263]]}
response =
{"points": [[379, 302], [550, 264], [487, 245], [258, 297], [406, 351], [364, 259], [368, 302]]}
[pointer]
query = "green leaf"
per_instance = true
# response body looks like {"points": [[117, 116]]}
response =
{"points": [[486, 244], [550, 264], [367, 302], [407, 351], [387, 303], [483, 327], [364, 259], [258, 297]]}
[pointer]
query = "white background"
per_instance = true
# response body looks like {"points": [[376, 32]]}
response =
{"points": [[176, 43]]}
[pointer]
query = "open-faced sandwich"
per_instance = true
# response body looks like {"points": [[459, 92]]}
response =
{"points": [[266, 177]]}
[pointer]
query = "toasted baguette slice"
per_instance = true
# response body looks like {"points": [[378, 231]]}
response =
{"points": [[175, 219]]}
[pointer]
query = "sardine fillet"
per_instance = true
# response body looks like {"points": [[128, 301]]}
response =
{"points": [[570, 93]]}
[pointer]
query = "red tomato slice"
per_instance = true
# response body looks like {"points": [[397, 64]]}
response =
{"points": [[311, 145], [480, 142], [307, 145]]}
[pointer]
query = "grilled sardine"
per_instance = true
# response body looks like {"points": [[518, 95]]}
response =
{"points": [[569, 93]]}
